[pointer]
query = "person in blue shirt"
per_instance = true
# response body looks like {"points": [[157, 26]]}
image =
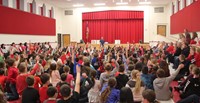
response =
{"points": [[110, 94], [102, 41]]}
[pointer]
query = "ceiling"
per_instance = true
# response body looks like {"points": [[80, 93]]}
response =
{"points": [[89, 3]]}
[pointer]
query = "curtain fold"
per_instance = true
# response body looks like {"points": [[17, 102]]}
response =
{"points": [[126, 26]]}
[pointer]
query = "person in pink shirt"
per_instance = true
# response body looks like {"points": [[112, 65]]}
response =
{"points": [[70, 77], [54, 74]]}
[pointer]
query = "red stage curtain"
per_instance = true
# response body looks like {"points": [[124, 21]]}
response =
{"points": [[187, 18], [126, 26]]}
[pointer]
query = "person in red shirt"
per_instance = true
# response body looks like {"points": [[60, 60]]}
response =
{"points": [[21, 78], [170, 49], [52, 93], [37, 82], [63, 57], [70, 77], [2, 78], [45, 79], [197, 57], [192, 54], [12, 76]]}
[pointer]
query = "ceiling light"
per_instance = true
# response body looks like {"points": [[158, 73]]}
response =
{"points": [[144, 3], [121, 3], [78, 5], [99, 4]]}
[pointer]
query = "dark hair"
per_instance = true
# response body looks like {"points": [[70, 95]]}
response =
{"points": [[93, 74], [44, 78], [51, 91], [131, 67], [121, 68], [126, 95], [145, 70], [2, 71], [10, 62], [138, 66], [160, 73], [30, 80], [111, 84], [194, 35], [149, 95], [2, 64], [63, 76], [65, 90], [53, 66]]}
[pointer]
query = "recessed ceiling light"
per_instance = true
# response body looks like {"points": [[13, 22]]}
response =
{"points": [[68, 0], [78, 5], [99, 4], [144, 3], [121, 3]]}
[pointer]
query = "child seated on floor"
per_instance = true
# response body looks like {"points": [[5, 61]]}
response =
{"points": [[45, 79], [30, 95], [52, 93]]}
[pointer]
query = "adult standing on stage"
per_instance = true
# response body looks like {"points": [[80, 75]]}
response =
{"points": [[102, 41]]}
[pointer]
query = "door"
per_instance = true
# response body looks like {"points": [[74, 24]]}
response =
{"points": [[66, 40]]}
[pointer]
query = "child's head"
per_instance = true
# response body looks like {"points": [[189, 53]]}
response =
{"points": [[108, 67], [112, 82], [130, 67], [149, 96], [134, 74], [30, 80], [65, 90], [121, 68], [145, 70], [160, 73], [196, 71], [45, 78], [66, 69], [52, 92], [63, 76], [22, 67], [192, 66], [126, 95], [53, 66], [10, 62], [181, 57]]}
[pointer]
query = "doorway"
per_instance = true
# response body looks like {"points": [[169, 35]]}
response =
{"points": [[66, 40]]}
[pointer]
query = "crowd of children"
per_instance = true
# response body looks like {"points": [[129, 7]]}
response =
{"points": [[38, 73]]}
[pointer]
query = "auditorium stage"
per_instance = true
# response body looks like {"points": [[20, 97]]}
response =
{"points": [[145, 45]]}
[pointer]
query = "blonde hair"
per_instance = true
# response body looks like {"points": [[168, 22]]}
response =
{"points": [[138, 81]]}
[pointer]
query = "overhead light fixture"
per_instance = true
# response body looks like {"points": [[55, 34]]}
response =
{"points": [[144, 3], [121, 3], [78, 5], [99, 4]]}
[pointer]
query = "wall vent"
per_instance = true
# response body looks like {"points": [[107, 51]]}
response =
{"points": [[159, 10], [68, 12]]}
